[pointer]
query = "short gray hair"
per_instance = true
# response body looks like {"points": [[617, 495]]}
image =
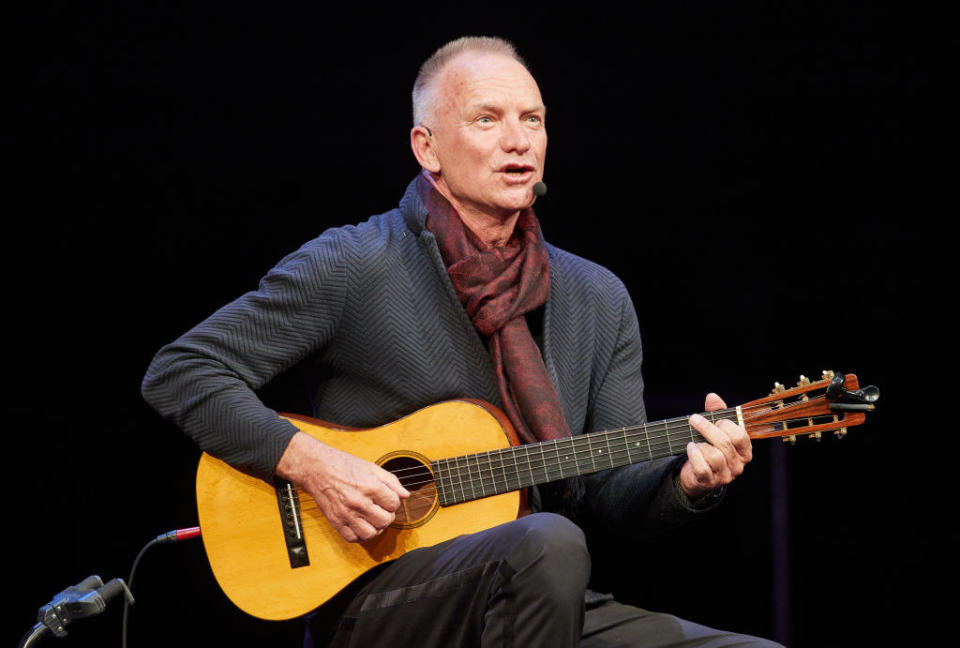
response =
{"points": [[423, 90]]}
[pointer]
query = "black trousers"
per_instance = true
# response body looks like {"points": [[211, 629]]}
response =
{"points": [[520, 584]]}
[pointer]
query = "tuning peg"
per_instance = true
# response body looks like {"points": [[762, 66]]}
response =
{"points": [[803, 381], [816, 436], [778, 388], [827, 374], [791, 439], [842, 432]]}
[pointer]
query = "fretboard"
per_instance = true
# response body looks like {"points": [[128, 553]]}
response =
{"points": [[469, 477]]}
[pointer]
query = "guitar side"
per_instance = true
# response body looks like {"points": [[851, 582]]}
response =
{"points": [[242, 527]]}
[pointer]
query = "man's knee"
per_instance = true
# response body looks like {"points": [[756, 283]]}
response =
{"points": [[552, 555], [554, 533]]}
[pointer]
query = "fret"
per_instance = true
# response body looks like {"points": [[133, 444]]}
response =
{"points": [[570, 458], [556, 451], [448, 477], [498, 455], [593, 461], [437, 471], [443, 481], [573, 451], [503, 470], [488, 466], [470, 477], [606, 438], [491, 466], [620, 449], [543, 462], [463, 494], [597, 452], [529, 465], [667, 434], [483, 489], [733, 415], [474, 474]]}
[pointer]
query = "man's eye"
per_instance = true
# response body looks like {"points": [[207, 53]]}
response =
{"points": [[485, 120], [534, 120]]}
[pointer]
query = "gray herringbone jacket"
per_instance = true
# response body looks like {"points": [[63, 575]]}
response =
{"points": [[371, 312]]}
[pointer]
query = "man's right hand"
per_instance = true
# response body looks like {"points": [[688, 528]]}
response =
{"points": [[358, 497]]}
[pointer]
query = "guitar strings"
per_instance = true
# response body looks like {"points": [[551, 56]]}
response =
{"points": [[635, 431], [642, 427], [680, 422], [487, 457], [471, 474]]}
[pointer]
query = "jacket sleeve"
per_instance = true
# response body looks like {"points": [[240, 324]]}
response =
{"points": [[641, 499], [205, 380]]}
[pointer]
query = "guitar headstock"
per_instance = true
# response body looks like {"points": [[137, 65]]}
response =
{"points": [[831, 404]]}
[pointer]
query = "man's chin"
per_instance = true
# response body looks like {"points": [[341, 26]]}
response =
{"points": [[517, 198], [502, 204]]}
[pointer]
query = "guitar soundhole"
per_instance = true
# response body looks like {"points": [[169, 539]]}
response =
{"points": [[416, 477]]}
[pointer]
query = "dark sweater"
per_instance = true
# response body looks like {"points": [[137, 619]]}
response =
{"points": [[370, 313]]}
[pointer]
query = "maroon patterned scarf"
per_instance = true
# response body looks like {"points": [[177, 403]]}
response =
{"points": [[497, 286]]}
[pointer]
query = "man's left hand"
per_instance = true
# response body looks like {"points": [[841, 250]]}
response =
{"points": [[717, 463]]}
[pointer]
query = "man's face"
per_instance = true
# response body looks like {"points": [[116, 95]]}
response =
{"points": [[489, 135]]}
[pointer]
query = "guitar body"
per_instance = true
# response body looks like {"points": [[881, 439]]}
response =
{"points": [[242, 525]]}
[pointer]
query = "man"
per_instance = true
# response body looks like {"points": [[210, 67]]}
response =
{"points": [[445, 297]]}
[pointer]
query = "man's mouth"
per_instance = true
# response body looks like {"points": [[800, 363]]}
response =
{"points": [[516, 169]]}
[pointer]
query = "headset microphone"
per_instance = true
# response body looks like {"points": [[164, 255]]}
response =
{"points": [[540, 189]]}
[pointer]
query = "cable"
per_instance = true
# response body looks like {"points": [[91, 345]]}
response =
{"points": [[177, 535]]}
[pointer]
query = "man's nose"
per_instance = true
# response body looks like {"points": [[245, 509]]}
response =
{"points": [[515, 138]]}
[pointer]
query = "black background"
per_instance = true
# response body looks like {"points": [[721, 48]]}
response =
{"points": [[757, 173]]}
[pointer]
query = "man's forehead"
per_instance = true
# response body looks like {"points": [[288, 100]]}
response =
{"points": [[474, 79]]}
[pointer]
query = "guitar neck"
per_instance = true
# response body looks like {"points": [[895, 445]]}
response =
{"points": [[469, 477]]}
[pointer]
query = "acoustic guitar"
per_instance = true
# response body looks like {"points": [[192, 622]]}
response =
{"points": [[276, 557]]}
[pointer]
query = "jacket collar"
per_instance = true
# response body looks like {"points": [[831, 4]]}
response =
{"points": [[413, 210]]}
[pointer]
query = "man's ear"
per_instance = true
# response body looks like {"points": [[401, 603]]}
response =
{"points": [[424, 148]]}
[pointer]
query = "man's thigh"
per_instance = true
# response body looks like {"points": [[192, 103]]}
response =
{"points": [[615, 625], [454, 592]]}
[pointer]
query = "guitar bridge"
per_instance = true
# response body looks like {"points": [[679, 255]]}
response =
{"points": [[289, 503]]}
